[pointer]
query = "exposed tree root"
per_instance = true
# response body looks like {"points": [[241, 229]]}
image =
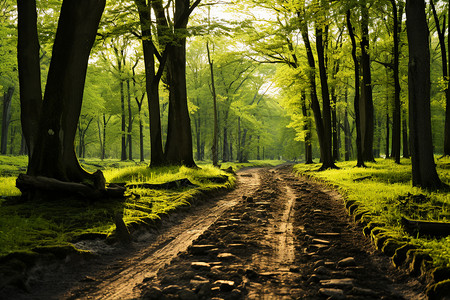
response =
{"points": [[30, 184]]}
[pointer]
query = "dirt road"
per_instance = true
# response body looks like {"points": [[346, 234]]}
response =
{"points": [[275, 237]]}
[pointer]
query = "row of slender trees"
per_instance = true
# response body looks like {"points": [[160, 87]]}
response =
{"points": [[50, 123]]}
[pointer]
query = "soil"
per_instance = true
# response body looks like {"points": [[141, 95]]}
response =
{"points": [[276, 236]]}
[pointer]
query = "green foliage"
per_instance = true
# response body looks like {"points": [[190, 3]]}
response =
{"points": [[384, 190]]}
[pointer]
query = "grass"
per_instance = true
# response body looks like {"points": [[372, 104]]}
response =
{"points": [[28, 226], [385, 191]]}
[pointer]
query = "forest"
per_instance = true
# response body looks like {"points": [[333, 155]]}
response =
{"points": [[154, 104]]}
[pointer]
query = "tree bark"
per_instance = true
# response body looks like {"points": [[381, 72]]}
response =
{"points": [[396, 125], [53, 152], [178, 149], [327, 155], [307, 129], [359, 154], [6, 119], [347, 133], [423, 166], [215, 156], [130, 122], [405, 135], [441, 36], [324, 139], [368, 113], [447, 100], [29, 72], [225, 152], [152, 83]]}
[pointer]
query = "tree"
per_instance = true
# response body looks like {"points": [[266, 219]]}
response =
{"points": [[367, 118], [6, 119], [359, 154], [214, 147], [396, 128], [323, 125], [153, 77], [50, 131], [178, 149], [423, 166]]}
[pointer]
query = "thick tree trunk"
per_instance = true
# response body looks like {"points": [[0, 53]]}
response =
{"points": [[215, 156], [53, 152], [152, 84], [6, 119], [368, 114], [178, 149], [359, 154], [423, 166], [29, 72]]}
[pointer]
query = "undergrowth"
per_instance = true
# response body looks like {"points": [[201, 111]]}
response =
{"points": [[385, 191]]}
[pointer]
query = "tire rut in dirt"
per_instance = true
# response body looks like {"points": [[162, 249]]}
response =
{"points": [[289, 238]]}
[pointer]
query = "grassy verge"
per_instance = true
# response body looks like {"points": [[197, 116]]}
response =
{"points": [[379, 196]]}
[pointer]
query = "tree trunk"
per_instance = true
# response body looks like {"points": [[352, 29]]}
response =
{"points": [[359, 154], [405, 135], [130, 122], [258, 156], [139, 105], [347, 133], [447, 100], [152, 84], [239, 147], [225, 153], [327, 155], [307, 129], [215, 156], [441, 36], [396, 125], [53, 152], [423, 166], [368, 114], [324, 139], [388, 119], [123, 152], [178, 149], [23, 146], [29, 72], [100, 138], [6, 119]]}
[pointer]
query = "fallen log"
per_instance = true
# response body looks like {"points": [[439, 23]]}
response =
{"points": [[430, 228], [170, 185], [27, 183]]}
